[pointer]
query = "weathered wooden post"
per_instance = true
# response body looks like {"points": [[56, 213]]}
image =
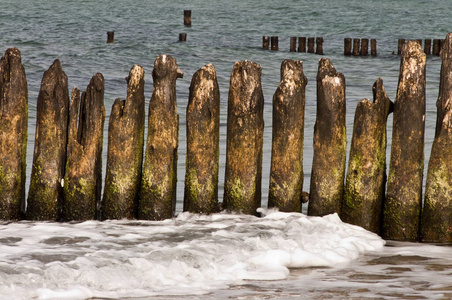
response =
{"points": [[203, 136], [266, 42], [274, 43], [182, 37], [243, 178], [364, 47], [83, 176], [330, 142], [373, 47], [302, 44], [356, 49], [436, 46], [13, 134], [436, 224], [311, 44], [319, 46], [428, 46], [110, 37], [125, 150], [158, 184], [347, 46], [293, 44], [366, 172], [45, 196], [187, 17], [403, 202], [286, 174], [400, 44]]}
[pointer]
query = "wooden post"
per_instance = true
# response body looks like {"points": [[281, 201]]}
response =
{"points": [[293, 44], [373, 47], [347, 46], [302, 44], [242, 188], [187, 17], [436, 46], [45, 197], [13, 134], [364, 47], [286, 175], [182, 37], [158, 185], [366, 172], [330, 142], [404, 189], [203, 136], [356, 50], [110, 37], [400, 46], [428, 46], [83, 176], [266, 42], [125, 150], [436, 225], [311, 44], [319, 43], [274, 41]]}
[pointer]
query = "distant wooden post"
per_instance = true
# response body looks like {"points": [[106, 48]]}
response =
{"points": [[125, 150], [356, 50], [428, 46], [302, 44], [364, 47], [243, 178], [110, 37], [436, 46], [319, 45], [347, 46], [13, 134], [274, 43], [266, 42], [311, 44], [286, 175], [436, 225], [83, 176], [293, 44], [400, 46], [404, 188], [182, 37], [330, 142], [366, 172], [373, 47], [45, 197], [203, 136], [158, 185], [187, 17]]}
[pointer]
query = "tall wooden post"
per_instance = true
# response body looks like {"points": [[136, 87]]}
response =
{"points": [[293, 44], [347, 46], [187, 17], [274, 43], [311, 44], [373, 47], [356, 50], [319, 45], [428, 46], [110, 37], [364, 47], [266, 42], [302, 44]]}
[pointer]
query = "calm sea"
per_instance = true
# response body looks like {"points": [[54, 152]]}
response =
{"points": [[222, 33]]}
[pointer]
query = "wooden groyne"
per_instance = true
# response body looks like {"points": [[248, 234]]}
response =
{"points": [[65, 180]]}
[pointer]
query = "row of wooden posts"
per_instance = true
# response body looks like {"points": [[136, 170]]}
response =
{"points": [[428, 49], [66, 181]]}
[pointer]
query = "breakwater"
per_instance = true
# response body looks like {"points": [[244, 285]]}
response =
{"points": [[245, 82]]}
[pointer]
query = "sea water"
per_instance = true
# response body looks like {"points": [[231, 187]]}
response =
{"points": [[116, 258]]}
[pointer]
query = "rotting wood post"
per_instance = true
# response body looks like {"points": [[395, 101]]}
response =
{"points": [[158, 184], [364, 47], [302, 44], [125, 150], [373, 47], [203, 136], [356, 50], [13, 134], [347, 46], [319, 45], [274, 43], [293, 44], [286, 174], [311, 44], [330, 142], [400, 44], [366, 173], [436, 46], [436, 223], [110, 37], [266, 42], [187, 17], [403, 202], [83, 176], [45, 197], [182, 37], [245, 126], [428, 46]]}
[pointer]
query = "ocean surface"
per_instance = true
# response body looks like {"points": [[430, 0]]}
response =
{"points": [[222, 33]]}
